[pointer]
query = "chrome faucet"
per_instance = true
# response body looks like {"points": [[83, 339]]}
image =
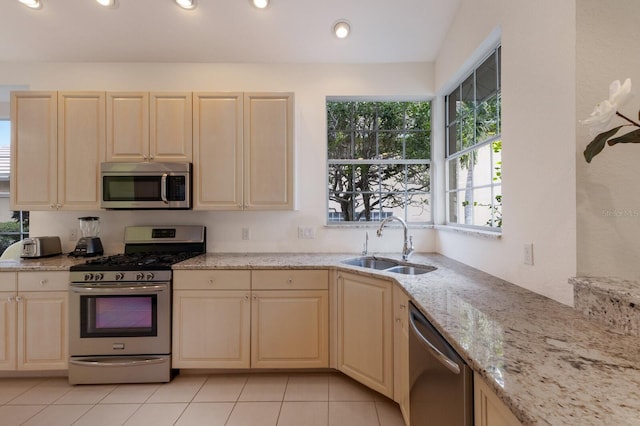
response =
{"points": [[407, 247], [365, 249]]}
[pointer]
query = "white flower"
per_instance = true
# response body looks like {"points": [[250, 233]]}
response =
{"points": [[603, 113]]}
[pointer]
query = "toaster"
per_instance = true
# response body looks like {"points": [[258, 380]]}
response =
{"points": [[40, 247]]}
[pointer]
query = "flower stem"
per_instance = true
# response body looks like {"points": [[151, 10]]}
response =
{"points": [[628, 119]]}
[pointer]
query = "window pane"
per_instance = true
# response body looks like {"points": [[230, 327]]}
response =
{"points": [[487, 119], [391, 115], [453, 140], [497, 161], [482, 166], [418, 116], [365, 146], [365, 116], [467, 100], [486, 78], [390, 145], [459, 176], [417, 146], [340, 116], [452, 104], [482, 207], [418, 178], [340, 146], [497, 206], [455, 208], [467, 131]]}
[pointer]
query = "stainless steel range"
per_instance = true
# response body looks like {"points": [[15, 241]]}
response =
{"points": [[120, 307]]}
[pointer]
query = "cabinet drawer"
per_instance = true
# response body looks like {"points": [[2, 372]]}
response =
{"points": [[43, 281], [208, 279], [290, 279], [8, 281]]}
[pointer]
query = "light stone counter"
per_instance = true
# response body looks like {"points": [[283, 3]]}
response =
{"points": [[547, 362], [54, 263]]}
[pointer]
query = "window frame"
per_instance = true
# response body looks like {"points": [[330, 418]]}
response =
{"points": [[381, 162], [494, 184]]}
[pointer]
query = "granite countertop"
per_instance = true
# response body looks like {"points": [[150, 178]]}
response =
{"points": [[61, 262], [545, 360]]}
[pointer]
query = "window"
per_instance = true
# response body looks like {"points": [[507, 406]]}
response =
{"points": [[378, 160], [474, 147], [14, 226]]}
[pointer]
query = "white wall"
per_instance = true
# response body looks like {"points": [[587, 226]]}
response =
{"points": [[608, 198], [538, 99], [270, 231]]}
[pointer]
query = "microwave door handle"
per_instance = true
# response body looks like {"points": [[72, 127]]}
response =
{"points": [[163, 189]]}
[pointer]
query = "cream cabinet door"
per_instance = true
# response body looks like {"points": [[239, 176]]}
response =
{"points": [[127, 126], [42, 330], [170, 121], [488, 409], [268, 146], [217, 151], [290, 329], [34, 174], [81, 149], [401, 351], [211, 329], [7, 329], [365, 331]]}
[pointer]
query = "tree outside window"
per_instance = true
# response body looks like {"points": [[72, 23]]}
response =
{"points": [[378, 160]]}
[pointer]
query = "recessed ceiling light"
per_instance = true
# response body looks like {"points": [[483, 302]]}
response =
{"points": [[107, 3], [186, 4], [33, 4], [341, 29], [260, 4]]}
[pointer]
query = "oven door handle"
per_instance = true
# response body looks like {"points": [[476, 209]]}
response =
{"points": [[112, 363], [110, 289], [163, 188]]}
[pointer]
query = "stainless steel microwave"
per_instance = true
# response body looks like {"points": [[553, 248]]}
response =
{"points": [[145, 185]]}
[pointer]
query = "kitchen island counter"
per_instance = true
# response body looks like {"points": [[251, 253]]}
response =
{"points": [[548, 363]]}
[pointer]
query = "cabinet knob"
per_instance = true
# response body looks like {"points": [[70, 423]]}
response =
{"points": [[255, 297], [43, 282], [18, 299], [11, 299], [246, 297], [211, 281], [289, 281], [403, 306]]}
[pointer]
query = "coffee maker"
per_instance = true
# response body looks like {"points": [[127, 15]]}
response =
{"points": [[89, 244]]}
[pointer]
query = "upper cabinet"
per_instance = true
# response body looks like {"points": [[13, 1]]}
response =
{"points": [[268, 145], [145, 126], [243, 151], [57, 145]]}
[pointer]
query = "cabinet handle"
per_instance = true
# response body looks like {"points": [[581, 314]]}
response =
{"points": [[403, 306]]}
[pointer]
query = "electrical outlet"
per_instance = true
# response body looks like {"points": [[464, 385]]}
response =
{"points": [[306, 233], [246, 233], [528, 254], [73, 234]]}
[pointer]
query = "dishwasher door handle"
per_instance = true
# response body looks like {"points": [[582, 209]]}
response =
{"points": [[444, 360]]}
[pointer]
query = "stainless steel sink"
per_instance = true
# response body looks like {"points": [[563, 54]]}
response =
{"points": [[371, 262], [389, 265], [411, 270]]}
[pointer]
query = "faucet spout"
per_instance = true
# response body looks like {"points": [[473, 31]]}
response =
{"points": [[407, 247]]}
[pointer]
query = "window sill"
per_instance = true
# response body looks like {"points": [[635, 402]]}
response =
{"points": [[490, 235], [375, 225]]}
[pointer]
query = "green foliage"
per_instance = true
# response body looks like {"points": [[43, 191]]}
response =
{"points": [[361, 130]]}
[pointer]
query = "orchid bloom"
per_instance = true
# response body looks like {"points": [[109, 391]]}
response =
{"points": [[603, 113]]}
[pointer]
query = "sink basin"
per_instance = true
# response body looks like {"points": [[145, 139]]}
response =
{"points": [[411, 270], [389, 265], [371, 262]]}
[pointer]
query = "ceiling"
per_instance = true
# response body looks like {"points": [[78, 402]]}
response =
{"points": [[288, 31]]}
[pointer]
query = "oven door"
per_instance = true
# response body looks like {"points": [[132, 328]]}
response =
{"points": [[120, 319]]}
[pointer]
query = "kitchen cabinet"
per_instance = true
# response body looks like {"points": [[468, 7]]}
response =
{"points": [[290, 319], [401, 383], [257, 319], [154, 126], [58, 143], [243, 151], [35, 321], [8, 320], [365, 331], [211, 319], [489, 410]]}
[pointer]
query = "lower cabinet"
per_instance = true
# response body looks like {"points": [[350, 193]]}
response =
{"points": [[365, 331], [401, 383], [489, 410], [257, 319], [34, 321]]}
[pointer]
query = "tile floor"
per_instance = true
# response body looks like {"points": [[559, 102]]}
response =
{"points": [[299, 399]]}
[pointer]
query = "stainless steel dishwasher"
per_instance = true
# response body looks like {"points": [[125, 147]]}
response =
{"points": [[441, 382]]}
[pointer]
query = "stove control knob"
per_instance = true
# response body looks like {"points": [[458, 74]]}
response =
{"points": [[149, 276], [139, 276], [119, 276], [88, 277], [99, 277]]}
